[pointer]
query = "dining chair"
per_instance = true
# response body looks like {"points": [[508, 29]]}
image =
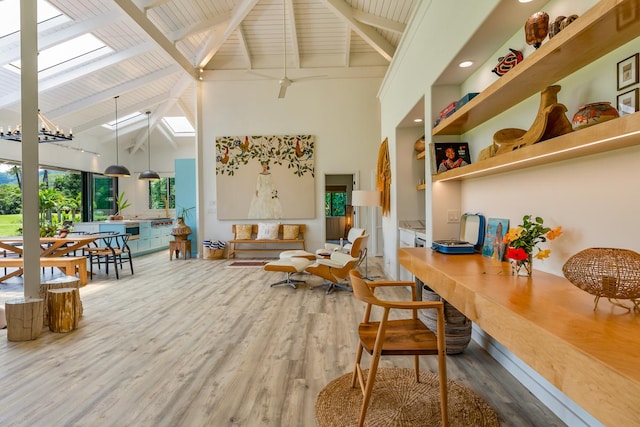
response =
{"points": [[113, 250], [399, 336], [123, 251]]}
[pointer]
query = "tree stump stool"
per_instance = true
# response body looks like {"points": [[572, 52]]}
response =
{"points": [[24, 318], [57, 283], [63, 309]]}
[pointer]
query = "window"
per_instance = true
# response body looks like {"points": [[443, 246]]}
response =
{"points": [[102, 201], [60, 197], [335, 201], [10, 16], [66, 55], [162, 191], [179, 126]]}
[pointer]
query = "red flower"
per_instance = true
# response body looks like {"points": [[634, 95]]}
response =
{"points": [[518, 254]]}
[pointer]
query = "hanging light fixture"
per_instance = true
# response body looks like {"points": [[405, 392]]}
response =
{"points": [[149, 175], [117, 170], [47, 132]]}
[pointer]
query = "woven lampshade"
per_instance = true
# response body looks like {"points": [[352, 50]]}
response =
{"points": [[605, 272]]}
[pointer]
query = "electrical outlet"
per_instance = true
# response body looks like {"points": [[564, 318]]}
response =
{"points": [[453, 216]]}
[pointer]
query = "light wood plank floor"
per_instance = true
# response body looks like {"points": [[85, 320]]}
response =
{"points": [[192, 343]]}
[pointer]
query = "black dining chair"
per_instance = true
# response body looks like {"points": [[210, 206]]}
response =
{"points": [[114, 250]]}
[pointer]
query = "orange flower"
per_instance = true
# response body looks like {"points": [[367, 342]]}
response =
{"points": [[513, 235], [556, 232], [543, 253]]}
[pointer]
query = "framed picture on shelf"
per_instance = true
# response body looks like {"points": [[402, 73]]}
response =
{"points": [[493, 246], [627, 102], [449, 155], [628, 72]]}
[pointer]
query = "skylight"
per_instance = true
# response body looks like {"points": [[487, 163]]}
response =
{"points": [[10, 15], [127, 120], [179, 126], [66, 55]]}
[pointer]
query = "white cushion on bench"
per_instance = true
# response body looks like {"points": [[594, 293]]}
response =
{"points": [[268, 231]]}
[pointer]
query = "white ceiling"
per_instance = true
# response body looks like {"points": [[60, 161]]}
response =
{"points": [[161, 46]]}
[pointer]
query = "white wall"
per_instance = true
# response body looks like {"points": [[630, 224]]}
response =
{"points": [[418, 62], [594, 198], [343, 115]]}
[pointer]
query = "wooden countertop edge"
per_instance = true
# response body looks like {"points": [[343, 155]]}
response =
{"points": [[561, 337]]}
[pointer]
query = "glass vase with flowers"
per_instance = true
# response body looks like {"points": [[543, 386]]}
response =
{"points": [[522, 240]]}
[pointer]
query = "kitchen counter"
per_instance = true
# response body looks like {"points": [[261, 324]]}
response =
{"points": [[147, 234]]}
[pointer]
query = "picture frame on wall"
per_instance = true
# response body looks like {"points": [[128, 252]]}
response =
{"points": [[627, 102], [628, 72]]}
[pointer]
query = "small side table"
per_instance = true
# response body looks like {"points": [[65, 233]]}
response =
{"points": [[177, 246]]}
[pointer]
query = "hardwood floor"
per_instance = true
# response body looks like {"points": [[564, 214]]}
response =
{"points": [[193, 343]]}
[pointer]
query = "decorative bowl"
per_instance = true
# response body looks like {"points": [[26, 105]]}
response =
{"points": [[592, 114]]}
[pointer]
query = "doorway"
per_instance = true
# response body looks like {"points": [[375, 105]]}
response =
{"points": [[338, 212]]}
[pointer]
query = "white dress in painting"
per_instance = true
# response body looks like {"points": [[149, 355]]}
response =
{"points": [[265, 203]]}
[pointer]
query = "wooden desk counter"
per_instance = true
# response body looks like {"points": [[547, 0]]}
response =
{"points": [[591, 356]]}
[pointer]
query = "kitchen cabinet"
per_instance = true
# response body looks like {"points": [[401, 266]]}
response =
{"points": [[152, 235]]}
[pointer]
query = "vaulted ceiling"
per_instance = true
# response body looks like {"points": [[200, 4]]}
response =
{"points": [[159, 48]]}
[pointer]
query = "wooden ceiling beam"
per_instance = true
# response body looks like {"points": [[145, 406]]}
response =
{"points": [[379, 22], [368, 33], [213, 44], [140, 18]]}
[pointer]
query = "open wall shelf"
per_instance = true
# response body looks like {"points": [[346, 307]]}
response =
{"points": [[610, 135], [597, 32]]}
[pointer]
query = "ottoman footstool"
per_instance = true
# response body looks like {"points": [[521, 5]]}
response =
{"points": [[289, 266]]}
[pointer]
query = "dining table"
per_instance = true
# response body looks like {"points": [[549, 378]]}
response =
{"points": [[51, 247]]}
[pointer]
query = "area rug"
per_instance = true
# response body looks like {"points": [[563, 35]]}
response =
{"points": [[247, 264], [398, 401]]}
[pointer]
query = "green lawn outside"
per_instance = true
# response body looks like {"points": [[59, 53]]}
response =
{"points": [[9, 224]]}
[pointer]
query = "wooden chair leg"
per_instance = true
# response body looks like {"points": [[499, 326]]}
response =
{"points": [[356, 366], [416, 365], [371, 379], [375, 359]]}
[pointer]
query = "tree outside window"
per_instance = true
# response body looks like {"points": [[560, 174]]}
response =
{"points": [[335, 201], [161, 192]]}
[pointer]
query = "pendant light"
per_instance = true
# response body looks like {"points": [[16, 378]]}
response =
{"points": [[117, 170], [149, 175]]}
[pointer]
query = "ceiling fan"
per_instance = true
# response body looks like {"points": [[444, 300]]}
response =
{"points": [[285, 81]]}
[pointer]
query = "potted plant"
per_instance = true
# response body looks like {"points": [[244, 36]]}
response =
{"points": [[121, 205]]}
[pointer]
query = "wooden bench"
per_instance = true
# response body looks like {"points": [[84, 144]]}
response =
{"points": [[68, 264], [265, 245]]}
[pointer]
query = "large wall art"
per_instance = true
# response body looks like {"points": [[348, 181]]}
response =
{"points": [[265, 177]]}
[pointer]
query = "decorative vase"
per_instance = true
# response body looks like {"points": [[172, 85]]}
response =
{"points": [[419, 146], [593, 113], [536, 29], [522, 267], [181, 230]]}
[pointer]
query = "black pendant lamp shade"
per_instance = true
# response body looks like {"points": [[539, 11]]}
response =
{"points": [[117, 170], [149, 175]]}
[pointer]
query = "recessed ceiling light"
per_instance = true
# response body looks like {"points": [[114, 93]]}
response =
{"points": [[465, 64], [417, 120], [525, 1]]}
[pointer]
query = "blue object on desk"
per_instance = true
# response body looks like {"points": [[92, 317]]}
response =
{"points": [[471, 237]]}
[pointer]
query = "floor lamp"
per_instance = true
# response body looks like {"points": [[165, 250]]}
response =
{"points": [[366, 198]]}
